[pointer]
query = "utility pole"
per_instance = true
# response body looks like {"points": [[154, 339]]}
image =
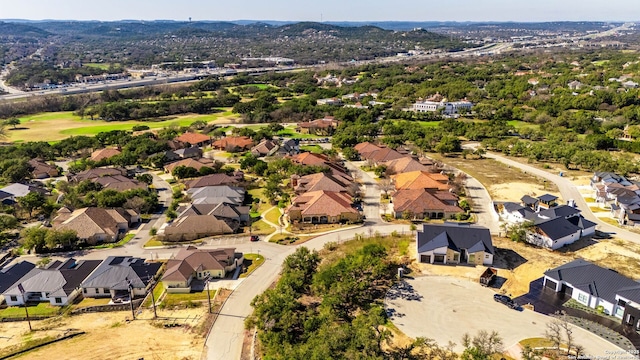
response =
{"points": [[133, 312], [206, 281], [153, 300], [26, 310]]}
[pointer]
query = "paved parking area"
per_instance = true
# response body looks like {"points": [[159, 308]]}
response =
{"points": [[444, 308]]}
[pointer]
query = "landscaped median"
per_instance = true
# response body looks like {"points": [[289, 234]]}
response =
{"points": [[251, 262]]}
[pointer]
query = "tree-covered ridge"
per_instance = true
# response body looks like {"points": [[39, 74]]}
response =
{"points": [[146, 43], [330, 307]]}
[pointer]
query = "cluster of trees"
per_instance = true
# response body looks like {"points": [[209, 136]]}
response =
{"points": [[341, 316], [332, 309], [123, 110], [44, 239], [88, 193]]}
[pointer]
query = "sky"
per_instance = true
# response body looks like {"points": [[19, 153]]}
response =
{"points": [[326, 10]]}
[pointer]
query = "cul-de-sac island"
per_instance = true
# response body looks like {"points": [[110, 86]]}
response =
{"points": [[319, 190]]}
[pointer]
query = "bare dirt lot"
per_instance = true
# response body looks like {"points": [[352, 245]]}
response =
{"points": [[515, 190], [499, 178], [112, 336]]}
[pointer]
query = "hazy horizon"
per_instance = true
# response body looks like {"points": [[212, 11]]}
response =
{"points": [[327, 11]]}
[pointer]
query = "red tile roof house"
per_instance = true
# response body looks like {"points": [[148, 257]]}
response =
{"points": [[323, 207], [192, 264], [320, 181], [325, 126], [425, 204], [103, 154], [233, 143], [196, 164], [194, 139], [42, 170]]}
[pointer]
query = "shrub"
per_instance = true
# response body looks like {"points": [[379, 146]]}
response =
{"points": [[153, 231]]}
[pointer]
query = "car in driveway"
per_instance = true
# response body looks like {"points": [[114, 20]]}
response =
{"points": [[254, 238], [504, 299]]}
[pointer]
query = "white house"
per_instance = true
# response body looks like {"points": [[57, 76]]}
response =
{"points": [[447, 108], [598, 288], [554, 234]]}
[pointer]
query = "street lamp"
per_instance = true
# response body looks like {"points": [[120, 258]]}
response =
{"points": [[130, 286]]}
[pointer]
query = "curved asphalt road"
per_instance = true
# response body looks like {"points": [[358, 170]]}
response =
{"points": [[570, 191]]}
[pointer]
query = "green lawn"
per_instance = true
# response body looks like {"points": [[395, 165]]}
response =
{"points": [[261, 228], [316, 149], [42, 309], [55, 126], [125, 125], [521, 125], [101, 66], [171, 300], [123, 241], [273, 215], [86, 302], [157, 292], [290, 132], [252, 262], [259, 86]]}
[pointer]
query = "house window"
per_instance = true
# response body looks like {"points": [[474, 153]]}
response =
{"points": [[472, 258], [105, 290], [583, 298], [58, 300], [14, 298], [456, 257], [84, 290]]}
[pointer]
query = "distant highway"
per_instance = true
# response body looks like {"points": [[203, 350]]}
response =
{"points": [[487, 49]]}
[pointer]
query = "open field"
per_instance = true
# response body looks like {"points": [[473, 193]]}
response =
{"points": [[113, 336], [503, 182], [101, 66], [60, 125]]}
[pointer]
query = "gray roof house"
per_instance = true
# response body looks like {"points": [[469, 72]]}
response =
{"points": [[233, 194], [596, 286], [11, 274], [114, 275], [454, 243], [58, 283], [17, 190]]}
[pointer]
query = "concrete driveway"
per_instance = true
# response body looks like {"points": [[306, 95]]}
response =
{"points": [[444, 308]]}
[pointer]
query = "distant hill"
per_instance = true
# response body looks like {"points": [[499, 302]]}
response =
{"points": [[22, 30]]}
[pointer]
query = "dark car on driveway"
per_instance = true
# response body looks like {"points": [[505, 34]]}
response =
{"points": [[504, 299], [254, 238]]}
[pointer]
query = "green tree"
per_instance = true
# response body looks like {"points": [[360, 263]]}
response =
{"points": [[32, 201], [14, 121], [33, 238]]}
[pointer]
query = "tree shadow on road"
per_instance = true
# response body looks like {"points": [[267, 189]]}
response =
{"points": [[403, 290]]}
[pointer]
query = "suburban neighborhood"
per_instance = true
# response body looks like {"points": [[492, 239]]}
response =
{"points": [[319, 190]]}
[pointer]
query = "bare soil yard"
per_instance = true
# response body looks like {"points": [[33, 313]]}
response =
{"points": [[519, 264], [113, 336], [499, 178]]}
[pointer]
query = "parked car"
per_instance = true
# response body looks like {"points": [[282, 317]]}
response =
{"points": [[255, 238], [504, 299]]}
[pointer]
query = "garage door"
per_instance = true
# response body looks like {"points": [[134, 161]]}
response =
{"points": [[566, 289], [551, 284], [425, 259], [438, 259]]}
